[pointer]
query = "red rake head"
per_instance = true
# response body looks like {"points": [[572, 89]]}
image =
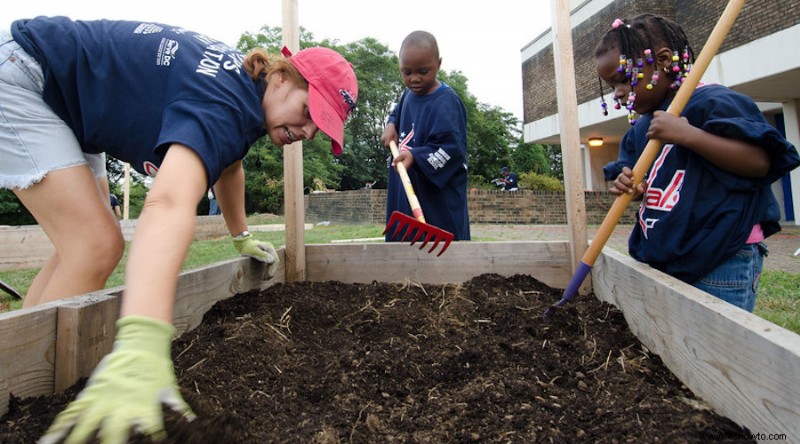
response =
{"points": [[408, 226]]}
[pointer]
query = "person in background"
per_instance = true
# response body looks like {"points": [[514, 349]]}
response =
{"points": [[115, 205], [707, 203], [509, 179], [192, 107], [429, 125], [213, 206]]}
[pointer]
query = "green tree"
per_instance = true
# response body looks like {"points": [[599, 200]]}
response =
{"points": [[139, 184], [531, 157], [491, 131], [556, 163], [492, 134], [364, 158], [12, 212]]}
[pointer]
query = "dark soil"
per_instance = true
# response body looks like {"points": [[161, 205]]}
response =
{"points": [[330, 362]]}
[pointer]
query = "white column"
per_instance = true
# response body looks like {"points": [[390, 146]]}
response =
{"points": [[791, 117]]}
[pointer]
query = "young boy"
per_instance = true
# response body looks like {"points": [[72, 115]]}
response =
{"points": [[429, 125]]}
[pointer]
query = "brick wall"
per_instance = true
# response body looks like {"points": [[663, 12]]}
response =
{"points": [[757, 19], [485, 207]]}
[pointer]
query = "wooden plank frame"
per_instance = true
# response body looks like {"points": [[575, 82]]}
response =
{"points": [[743, 366], [45, 349]]}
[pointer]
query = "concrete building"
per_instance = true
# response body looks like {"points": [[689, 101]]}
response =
{"points": [[760, 57]]}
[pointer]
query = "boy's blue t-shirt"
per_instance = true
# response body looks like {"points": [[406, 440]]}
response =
{"points": [[434, 127], [695, 215], [131, 89]]}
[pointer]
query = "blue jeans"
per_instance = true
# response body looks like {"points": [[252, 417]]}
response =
{"points": [[736, 280], [213, 207]]}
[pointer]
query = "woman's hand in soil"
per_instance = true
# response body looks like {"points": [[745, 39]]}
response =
{"points": [[126, 389], [249, 246]]}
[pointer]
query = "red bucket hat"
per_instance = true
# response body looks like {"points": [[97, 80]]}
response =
{"points": [[332, 89]]}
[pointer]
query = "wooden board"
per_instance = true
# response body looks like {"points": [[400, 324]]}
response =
{"points": [[30, 338], [564, 65], [85, 333], [395, 262], [27, 352], [27, 246], [744, 366], [198, 290], [23, 247]]}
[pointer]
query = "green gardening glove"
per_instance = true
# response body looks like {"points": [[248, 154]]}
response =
{"points": [[126, 389], [249, 246]]}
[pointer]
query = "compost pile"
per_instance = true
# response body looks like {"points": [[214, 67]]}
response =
{"points": [[330, 362]]}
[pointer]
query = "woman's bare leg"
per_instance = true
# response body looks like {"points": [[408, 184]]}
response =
{"points": [[71, 209]]}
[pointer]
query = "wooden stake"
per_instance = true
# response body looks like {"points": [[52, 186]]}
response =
{"points": [[570, 135], [294, 210]]}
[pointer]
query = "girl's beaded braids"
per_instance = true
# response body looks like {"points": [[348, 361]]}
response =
{"points": [[635, 40]]}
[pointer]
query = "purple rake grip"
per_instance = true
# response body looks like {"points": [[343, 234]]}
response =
{"points": [[572, 289]]}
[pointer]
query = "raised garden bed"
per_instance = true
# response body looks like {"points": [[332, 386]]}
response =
{"points": [[377, 347]]}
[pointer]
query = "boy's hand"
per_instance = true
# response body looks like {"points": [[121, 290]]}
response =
{"points": [[406, 158], [389, 134], [126, 389]]}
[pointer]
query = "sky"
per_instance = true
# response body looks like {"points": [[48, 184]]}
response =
{"points": [[483, 40]]}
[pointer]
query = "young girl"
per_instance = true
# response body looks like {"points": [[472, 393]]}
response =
{"points": [[707, 204], [429, 124], [167, 100]]}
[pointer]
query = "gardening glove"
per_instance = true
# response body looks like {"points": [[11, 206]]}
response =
{"points": [[248, 246], [126, 389]]}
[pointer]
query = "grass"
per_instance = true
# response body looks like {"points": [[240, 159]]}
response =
{"points": [[203, 253], [778, 299]]}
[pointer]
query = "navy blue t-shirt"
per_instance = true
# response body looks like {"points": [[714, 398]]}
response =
{"points": [[131, 89], [695, 215], [511, 182], [434, 127]]}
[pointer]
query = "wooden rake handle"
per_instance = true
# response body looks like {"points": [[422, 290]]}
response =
{"points": [[652, 148], [416, 210]]}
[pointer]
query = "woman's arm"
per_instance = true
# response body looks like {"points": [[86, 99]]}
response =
{"points": [[230, 196], [164, 232]]}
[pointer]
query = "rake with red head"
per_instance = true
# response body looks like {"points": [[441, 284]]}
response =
{"points": [[414, 228]]}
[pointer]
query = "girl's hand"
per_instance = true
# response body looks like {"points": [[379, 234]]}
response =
{"points": [[624, 184], [668, 128]]}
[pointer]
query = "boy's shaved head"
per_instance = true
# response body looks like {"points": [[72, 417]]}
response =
{"points": [[421, 39]]}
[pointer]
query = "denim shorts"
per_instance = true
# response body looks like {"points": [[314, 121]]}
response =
{"points": [[736, 280], [33, 139]]}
